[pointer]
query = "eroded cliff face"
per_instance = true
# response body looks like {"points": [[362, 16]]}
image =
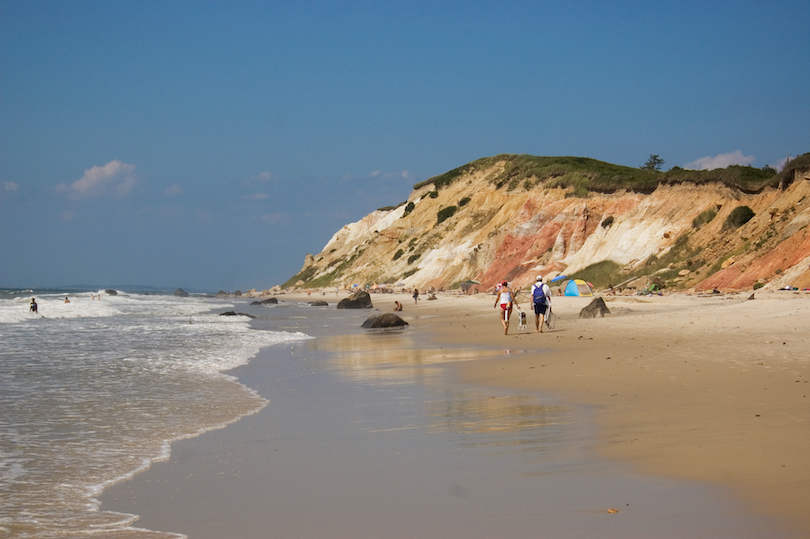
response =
{"points": [[496, 234]]}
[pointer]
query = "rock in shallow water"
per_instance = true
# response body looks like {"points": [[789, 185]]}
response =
{"points": [[232, 313], [387, 320], [268, 301]]}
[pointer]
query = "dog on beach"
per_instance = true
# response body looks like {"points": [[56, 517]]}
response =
{"points": [[522, 320]]}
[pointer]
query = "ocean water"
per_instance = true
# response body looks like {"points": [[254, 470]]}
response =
{"points": [[93, 391]]}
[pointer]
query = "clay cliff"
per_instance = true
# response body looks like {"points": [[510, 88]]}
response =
{"points": [[513, 217]]}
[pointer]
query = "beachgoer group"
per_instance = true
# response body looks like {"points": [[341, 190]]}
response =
{"points": [[506, 298]]}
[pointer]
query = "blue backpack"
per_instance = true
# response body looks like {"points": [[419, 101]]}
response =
{"points": [[538, 296]]}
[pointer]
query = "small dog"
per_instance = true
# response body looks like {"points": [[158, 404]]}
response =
{"points": [[522, 320]]}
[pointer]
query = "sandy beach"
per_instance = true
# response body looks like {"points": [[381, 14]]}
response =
{"points": [[704, 389]]}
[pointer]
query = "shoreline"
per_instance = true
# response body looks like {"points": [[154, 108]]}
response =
{"points": [[668, 398], [711, 389]]}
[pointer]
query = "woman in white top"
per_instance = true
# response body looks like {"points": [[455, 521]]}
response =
{"points": [[506, 301]]}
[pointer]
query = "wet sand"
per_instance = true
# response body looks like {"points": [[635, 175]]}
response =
{"points": [[687, 414]]}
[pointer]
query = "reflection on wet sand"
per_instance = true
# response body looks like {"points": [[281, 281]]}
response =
{"points": [[473, 414], [391, 357], [478, 416]]}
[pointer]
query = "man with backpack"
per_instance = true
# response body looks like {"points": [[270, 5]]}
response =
{"points": [[541, 298]]}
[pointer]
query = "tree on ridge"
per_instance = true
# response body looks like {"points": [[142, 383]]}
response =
{"points": [[653, 163]]}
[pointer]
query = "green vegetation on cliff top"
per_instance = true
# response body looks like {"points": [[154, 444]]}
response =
{"points": [[584, 174]]}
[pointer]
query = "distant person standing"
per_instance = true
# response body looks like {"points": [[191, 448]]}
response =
{"points": [[34, 309], [506, 300], [541, 299], [415, 295]]}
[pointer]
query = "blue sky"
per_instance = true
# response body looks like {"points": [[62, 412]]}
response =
{"points": [[211, 145]]}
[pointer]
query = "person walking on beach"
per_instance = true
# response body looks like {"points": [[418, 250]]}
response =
{"points": [[415, 295], [541, 298], [506, 300]]}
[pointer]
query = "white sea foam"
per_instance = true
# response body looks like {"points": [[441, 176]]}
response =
{"points": [[94, 390]]}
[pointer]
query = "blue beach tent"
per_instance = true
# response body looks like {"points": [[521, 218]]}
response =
{"points": [[578, 287]]}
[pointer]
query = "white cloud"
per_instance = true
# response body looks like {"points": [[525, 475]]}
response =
{"points": [[265, 176], [272, 218], [115, 176], [125, 187], [173, 190], [11, 186], [780, 164], [388, 175], [67, 215], [257, 196], [720, 161]]}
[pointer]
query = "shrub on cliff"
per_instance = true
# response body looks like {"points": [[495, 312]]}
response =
{"points": [[445, 213], [738, 217], [704, 218], [799, 163]]}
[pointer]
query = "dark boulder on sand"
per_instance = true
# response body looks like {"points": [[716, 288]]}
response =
{"points": [[318, 304], [386, 320], [358, 300], [222, 294], [595, 307], [180, 293]]}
